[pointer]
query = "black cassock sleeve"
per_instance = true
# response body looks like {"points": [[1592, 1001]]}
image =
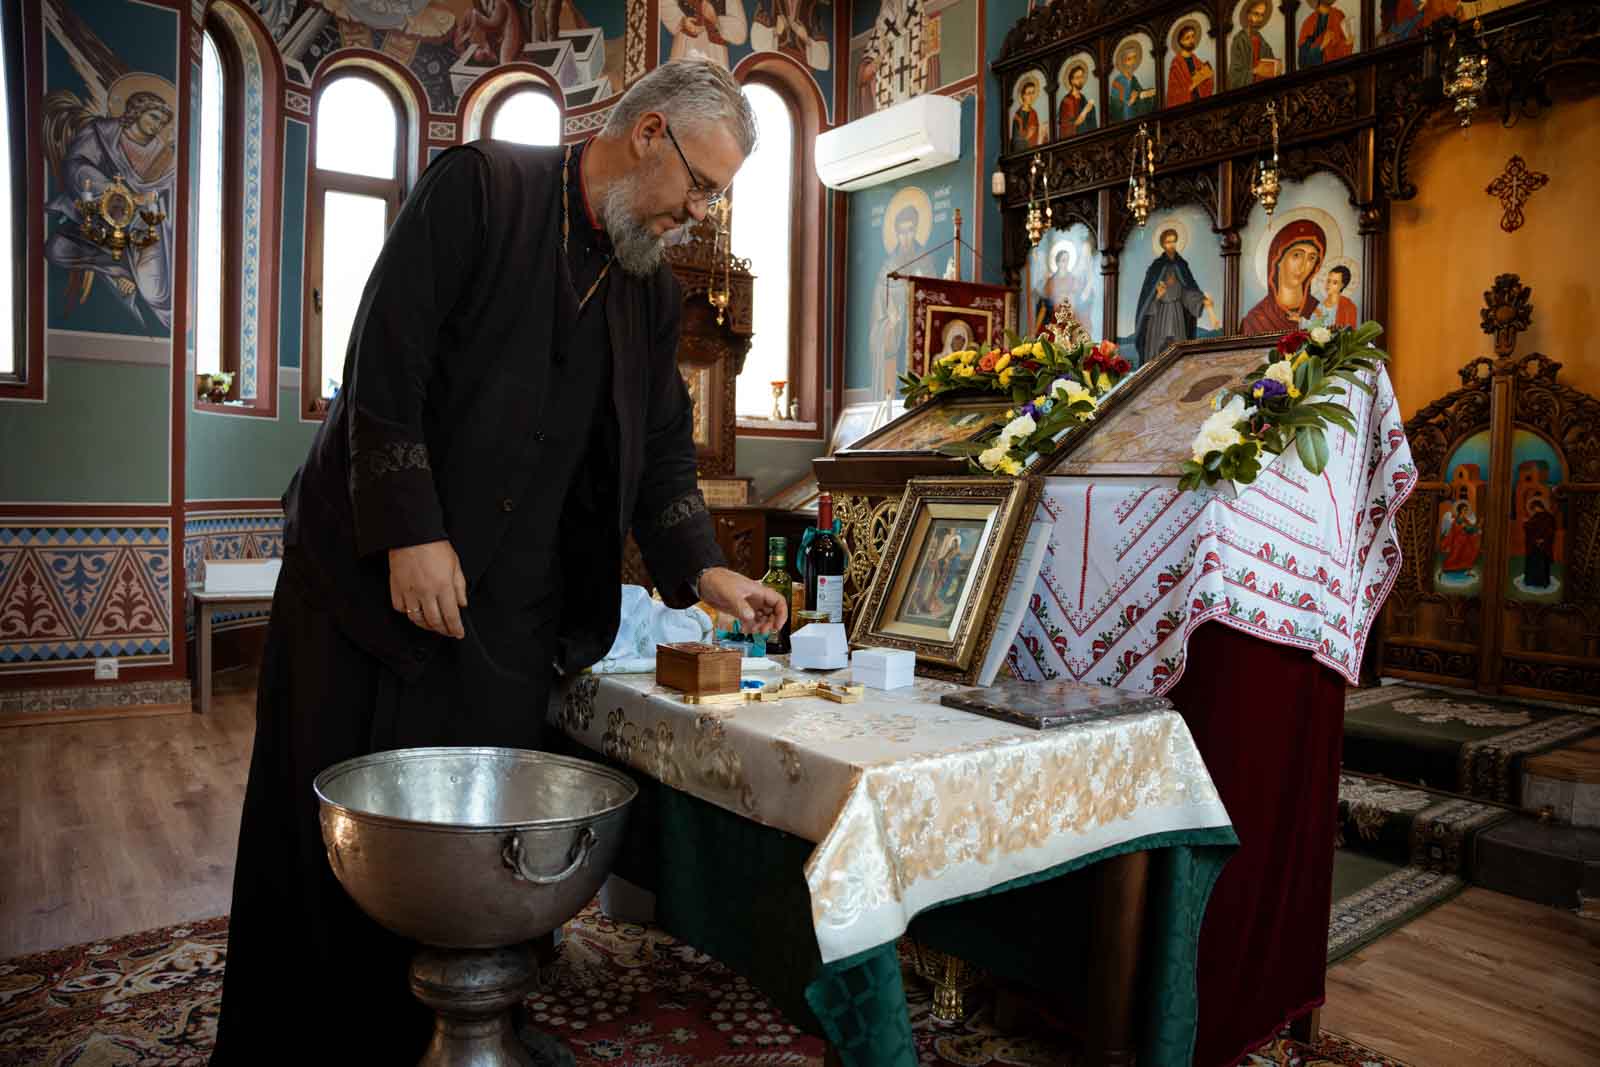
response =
{"points": [[670, 520], [426, 262]]}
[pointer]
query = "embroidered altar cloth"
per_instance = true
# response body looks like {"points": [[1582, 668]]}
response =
{"points": [[910, 803], [1134, 565]]}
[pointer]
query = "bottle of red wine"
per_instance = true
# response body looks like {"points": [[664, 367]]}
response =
{"points": [[824, 565]]}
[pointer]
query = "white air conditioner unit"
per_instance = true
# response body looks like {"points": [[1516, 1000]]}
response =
{"points": [[916, 135]]}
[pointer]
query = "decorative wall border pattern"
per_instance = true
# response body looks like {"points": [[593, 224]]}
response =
{"points": [[441, 131], [297, 103], [22, 702], [71, 592], [591, 122]]}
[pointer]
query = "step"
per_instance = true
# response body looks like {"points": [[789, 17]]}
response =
{"points": [[1540, 861], [1565, 785]]}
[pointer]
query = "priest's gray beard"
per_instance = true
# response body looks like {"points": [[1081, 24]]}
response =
{"points": [[638, 249]]}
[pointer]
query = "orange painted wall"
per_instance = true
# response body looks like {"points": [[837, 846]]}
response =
{"points": [[1446, 247]]}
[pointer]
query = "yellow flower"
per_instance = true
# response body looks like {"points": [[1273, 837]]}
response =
{"points": [[949, 357], [1010, 465], [1002, 363], [1005, 376], [1020, 350], [966, 372], [967, 357], [1038, 350]]}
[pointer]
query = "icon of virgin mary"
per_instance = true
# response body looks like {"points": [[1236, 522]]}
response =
{"points": [[1297, 250]]}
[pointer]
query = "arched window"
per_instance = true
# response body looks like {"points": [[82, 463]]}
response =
{"points": [[356, 188], [210, 215], [233, 213], [524, 115], [764, 234]]}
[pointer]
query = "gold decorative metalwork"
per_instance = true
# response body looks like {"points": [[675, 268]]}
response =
{"points": [[1067, 329], [1466, 73], [951, 976], [1267, 183], [721, 256], [116, 218], [1515, 184], [864, 525], [1038, 220], [1142, 168]]}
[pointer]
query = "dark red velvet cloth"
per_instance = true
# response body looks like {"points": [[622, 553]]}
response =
{"points": [[1268, 721]]}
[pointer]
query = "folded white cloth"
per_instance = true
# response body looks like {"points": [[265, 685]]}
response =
{"points": [[646, 623]]}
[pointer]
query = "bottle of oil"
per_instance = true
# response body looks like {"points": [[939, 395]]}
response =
{"points": [[779, 581]]}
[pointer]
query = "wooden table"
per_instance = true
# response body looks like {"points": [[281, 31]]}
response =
{"points": [[206, 606]]}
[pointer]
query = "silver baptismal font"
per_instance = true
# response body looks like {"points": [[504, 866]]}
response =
{"points": [[474, 853]]}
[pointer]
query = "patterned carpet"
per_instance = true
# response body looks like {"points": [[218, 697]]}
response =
{"points": [[625, 996], [1461, 743]]}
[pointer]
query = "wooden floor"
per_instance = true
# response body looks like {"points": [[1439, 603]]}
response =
{"points": [[112, 827]]}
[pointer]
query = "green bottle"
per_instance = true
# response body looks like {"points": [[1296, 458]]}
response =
{"points": [[779, 581]]}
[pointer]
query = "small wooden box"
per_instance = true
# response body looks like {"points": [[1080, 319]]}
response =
{"points": [[698, 669]]}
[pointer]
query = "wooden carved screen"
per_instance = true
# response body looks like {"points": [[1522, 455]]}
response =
{"points": [[710, 356], [711, 353], [1500, 581]]}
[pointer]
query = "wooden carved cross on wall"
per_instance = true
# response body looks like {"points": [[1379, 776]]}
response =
{"points": [[1513, 187]]}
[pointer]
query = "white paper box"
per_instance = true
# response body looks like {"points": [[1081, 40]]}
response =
{"points": [[821, 646], [242, 575], [883, 668]]}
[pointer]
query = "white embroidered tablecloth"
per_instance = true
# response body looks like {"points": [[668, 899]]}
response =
{"points": [[910, 803], [1135, 565]]}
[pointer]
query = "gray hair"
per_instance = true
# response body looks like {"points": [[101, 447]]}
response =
{"points": [[691, 93]]}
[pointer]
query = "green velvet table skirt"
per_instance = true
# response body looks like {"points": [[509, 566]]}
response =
{"points": [[736, 890]]}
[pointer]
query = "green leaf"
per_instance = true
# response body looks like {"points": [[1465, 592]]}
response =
{"points": [[1313, 449], [1213, 460]]}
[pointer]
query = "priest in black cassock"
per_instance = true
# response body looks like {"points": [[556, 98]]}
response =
{"points": [[511, 409]]}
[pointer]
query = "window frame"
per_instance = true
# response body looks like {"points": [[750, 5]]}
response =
{"points": [[224, 37], [20, 58], [320, 182], [491, 110], [231, 192], [807, 225]]}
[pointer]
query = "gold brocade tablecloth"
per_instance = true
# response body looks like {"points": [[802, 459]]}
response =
{"points": [[910, 803]]}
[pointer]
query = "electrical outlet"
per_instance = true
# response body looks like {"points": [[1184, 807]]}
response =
{"points": [[105, 670]]}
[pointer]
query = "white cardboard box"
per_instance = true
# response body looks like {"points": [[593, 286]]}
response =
{"points": [[819, 646], [883, 668]]}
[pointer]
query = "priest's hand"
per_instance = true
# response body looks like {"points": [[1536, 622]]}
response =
{"points": [[425, 582], [758, 608]]}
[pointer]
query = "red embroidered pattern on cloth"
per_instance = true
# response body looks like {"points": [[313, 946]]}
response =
{"points": [[1294, 559]]}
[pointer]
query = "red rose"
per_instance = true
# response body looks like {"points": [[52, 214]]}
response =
{"points": [[1120, 366], [1293, 341], [1029, 364]]}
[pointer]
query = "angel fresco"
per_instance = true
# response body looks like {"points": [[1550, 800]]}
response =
{"points": [[122, 127]]}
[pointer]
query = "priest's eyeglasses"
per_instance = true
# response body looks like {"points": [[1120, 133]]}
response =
{"points": [[708, 195]]}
